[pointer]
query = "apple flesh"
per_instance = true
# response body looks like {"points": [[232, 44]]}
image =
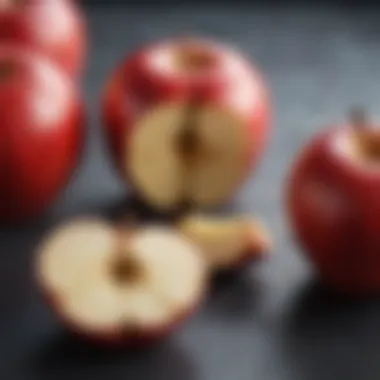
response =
{"points": [[41, 136], [119, 286], [185, 121], [334, 206], [227, 243], [54, 28]]}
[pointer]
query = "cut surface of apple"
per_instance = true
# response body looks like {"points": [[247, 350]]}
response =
{"points": [[227, 241], [172, 161], [114, 285], [186, 120]]}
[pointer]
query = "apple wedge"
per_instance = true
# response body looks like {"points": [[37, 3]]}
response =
{"points": [[118, 286], [227, 242]]}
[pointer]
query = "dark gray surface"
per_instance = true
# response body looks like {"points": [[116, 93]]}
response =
{"points": [[271, 323]]}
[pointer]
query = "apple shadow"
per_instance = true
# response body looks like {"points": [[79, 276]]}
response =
{"points": [[330, 336], [134, 209], [64, 356], [233, 295]]}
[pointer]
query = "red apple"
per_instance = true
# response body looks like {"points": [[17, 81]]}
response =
{"points": [[54, 28], [185, 121], [227, 242], [120, 287], [334, 205], [41, 116]]}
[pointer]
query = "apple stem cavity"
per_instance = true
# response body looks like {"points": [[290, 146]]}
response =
{"points": [[368, 142], [358, 118], [192, 57]]}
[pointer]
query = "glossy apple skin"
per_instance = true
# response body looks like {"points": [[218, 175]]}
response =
{"points": [[133, 88], [55, 28], [334, 211], [42, 134]]}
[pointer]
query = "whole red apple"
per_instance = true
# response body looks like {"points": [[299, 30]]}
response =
{"points": [[41, 133], [334, 205], [54, 28], [185, 121]]}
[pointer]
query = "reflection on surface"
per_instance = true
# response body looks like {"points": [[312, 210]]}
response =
{"points": [[63, 356], [328, 336]]}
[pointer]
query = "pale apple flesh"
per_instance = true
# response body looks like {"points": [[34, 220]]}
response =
{"points": [[171, 162], [228, 242], [108, 284]]}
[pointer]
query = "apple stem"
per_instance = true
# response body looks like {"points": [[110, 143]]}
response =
{"points": [[358, 118]]}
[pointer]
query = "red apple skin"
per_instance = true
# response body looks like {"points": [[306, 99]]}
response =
{"points": [[119, 338], [339, 233], [54, 28], [133, 88], [41, 136]]}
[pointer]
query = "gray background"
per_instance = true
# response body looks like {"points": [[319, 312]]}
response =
{"points": [[273, 322]]}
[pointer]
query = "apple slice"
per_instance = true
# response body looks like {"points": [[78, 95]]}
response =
{"points": [[119, 286], [227, 242], [187, 155]]}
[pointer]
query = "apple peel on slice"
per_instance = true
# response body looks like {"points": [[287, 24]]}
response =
{"points": [[228, 242], [113, 286]]}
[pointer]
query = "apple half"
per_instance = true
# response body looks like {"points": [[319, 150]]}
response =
{"points": [[118, 286], [185, 121], [171, 165], [228, 242]]}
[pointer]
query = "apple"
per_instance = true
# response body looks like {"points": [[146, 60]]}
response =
{"points": [[227, 243], [185, 120], [42, 117], [333, 205], [55, 28], [116, 286]]}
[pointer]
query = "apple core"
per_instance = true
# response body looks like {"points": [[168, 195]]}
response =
{"points": [[126, 270]]}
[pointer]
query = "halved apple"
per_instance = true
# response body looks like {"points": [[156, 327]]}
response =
{"points": [[118, 286], [185, 122]]}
